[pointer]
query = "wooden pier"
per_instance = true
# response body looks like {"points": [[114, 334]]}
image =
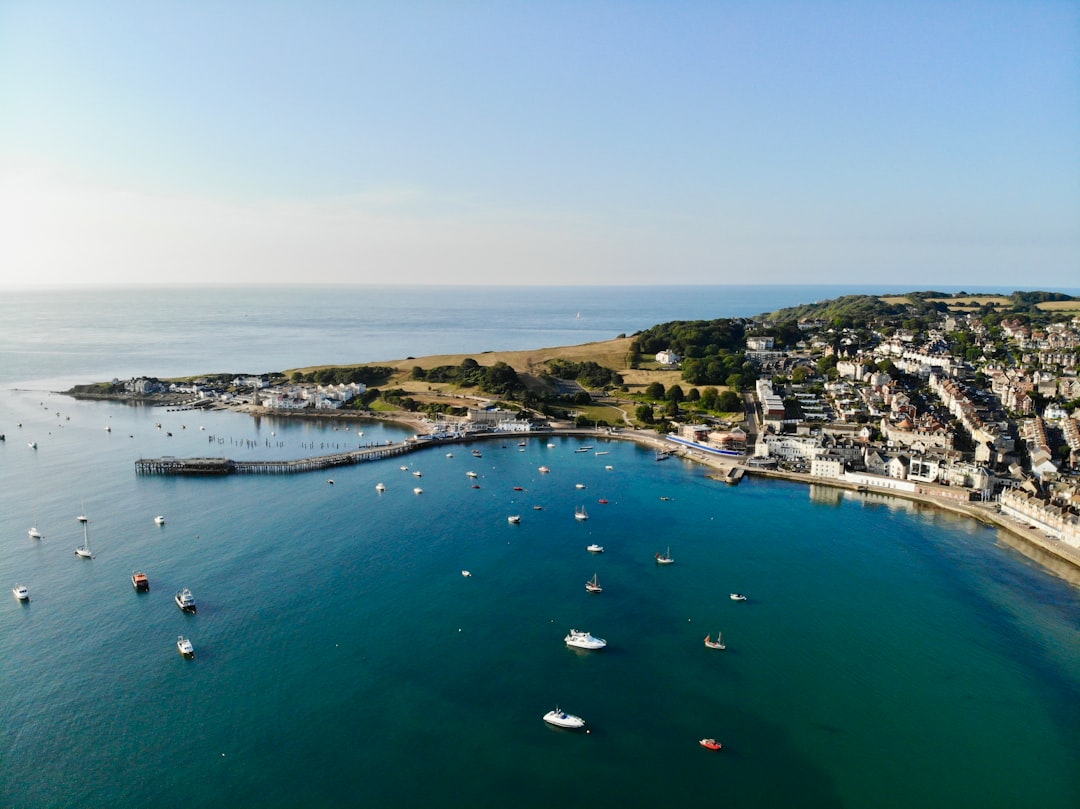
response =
{"points": [[224, 466]]}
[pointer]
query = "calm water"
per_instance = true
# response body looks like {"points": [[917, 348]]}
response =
{"points": [[889, 656]]}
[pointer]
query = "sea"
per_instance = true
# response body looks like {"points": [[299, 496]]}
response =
{"points": [[887, 655]]}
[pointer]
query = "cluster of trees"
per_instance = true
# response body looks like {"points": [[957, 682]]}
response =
{"points": [[708, 399], [498, 379], [712, 350], [362, 374], [588, 373]]}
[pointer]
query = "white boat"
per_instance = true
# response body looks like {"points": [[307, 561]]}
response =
{"points": [[562, 719], [159, 519], [404, 469], [33, 531], [580, 514], [594, 548], [185, 601], [449, 455], [471, 475], [609, 467], [665, 558], [543, 470], [715, 644], [514, 519], [738, 597], [466, 574], [184, 646], [579, 485], [380, 488], [417, 490], [21, 592], [84, 549], [32, 444], [593, 585], [602, 452], [418, 474], [551, 446], [583, 640]]}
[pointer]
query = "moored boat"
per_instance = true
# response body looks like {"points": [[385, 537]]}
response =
{"points": [[543, 470], [159, 519], [514, 519], [710, 744], [417, 490], [665, 558], [184, 646], [20, 592], [33, 532], [583, 640], [738, 597], [594, 548], [593, 585], [581, 514], [715, 644], [562, 719], [380, 488], [140, 582], [185, 601], [84, 549]]}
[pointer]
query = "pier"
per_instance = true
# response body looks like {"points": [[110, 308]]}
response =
{"points": [[224, 466]]}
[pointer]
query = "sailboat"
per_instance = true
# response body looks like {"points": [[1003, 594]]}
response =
{"points": [[664, 558], [33, 531], [593, 585], [581, 514], [715, 644], [84, 549]]}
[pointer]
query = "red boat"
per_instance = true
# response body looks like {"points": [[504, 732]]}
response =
{"points": [[603, 501], [518, 489], [710, 744]]}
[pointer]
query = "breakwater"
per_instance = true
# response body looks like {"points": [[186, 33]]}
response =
{"points": [[224, 466]]}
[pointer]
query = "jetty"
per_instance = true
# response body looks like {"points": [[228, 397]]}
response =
{"points": [[170, 465]]}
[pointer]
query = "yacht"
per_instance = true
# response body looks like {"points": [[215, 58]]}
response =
{"points": [[562, 719], [594, 548], [185, 601], [380, 488], [543, 470], [579, 485], [665, 558], [514, 519], [140, 582], [184, 646], [84, 549], [21, 592], [417, 490], [33, 532], [471, 475], [715, 644], [159, 520], [580, 514], [583, 640], [593, 585], [738, 597], [710, 744]]}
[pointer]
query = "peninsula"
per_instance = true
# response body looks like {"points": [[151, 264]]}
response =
{"points": [[967, 402]]}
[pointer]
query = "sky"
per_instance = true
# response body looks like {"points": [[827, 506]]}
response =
{"points": [[505, 142]]}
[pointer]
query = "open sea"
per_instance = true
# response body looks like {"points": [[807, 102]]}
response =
{"points": [[888, 655]]}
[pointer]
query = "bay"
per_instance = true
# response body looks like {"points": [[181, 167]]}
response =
{"points": [[889, 655]]}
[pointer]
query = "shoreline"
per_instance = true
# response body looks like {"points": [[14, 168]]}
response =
{"points": [[1030, 542]]}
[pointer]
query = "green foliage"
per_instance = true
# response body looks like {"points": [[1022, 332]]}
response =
{"points": [[588, 373], [654, 391], [499, 379], [644, 414], [729, 402], [340, 375]]}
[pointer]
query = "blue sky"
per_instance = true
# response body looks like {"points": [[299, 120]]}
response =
{"points": [[557, 142]]}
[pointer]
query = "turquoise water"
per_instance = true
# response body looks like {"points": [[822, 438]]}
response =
{"points": [[888, 655]]}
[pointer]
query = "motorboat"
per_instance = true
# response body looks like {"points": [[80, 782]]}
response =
{"points": [[471, 475], [404, 469], [418, 474], [583, 640], [609, 467], [579, 485], [380, 488], [140, 582], [543, 470], [593, 585], [514, 519], [519, 488], [602, 501], [466, 574], [32, 444], [581, 514], [184, 646], [738, 597], [449, 455], [665, 558], [594, 548], [20, 592], [159, 520], [715, 644], [33, 532], [417, 490], [562, 719], [185, 600], [551, 446], [710, 744]]}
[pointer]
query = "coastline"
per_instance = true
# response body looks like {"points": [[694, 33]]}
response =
{"points": [[1054, 555]]}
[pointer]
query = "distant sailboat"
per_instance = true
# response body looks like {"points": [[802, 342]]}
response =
{"points": [[580, 514], [593, 585], [84, 549], [665, 558], [715, 644]]}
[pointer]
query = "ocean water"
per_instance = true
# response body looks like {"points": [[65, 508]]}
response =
{"points": [[888, 656]]}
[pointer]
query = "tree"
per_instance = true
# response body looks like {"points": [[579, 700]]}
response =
{"points": [[729, 402], [708, 398], [675, 394], [655, 391], [644, 414], [800, 375]]}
